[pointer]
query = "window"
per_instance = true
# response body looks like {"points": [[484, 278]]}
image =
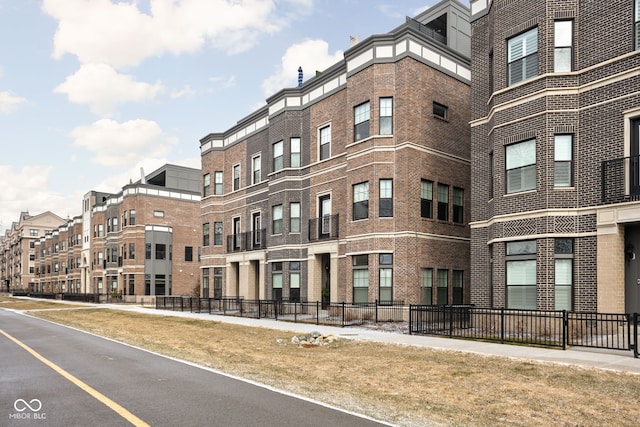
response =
{"points": [[443, 287], [521, 166], [563, 274], [256, 173], [206, 185], [386, 198], [386, 116], [217, 233], [360, 278], [443, 202], [205, 283], [188, 253], [205, 234], [158, 214], [426, 198], [294, 281], [325, 142], [426, 286], [522, 56], [562, 161], [276, 219], [361, 201], [294, 220], [458, 205], [361, 115], [236, 177], [563, 42], [161, 251], [217, 183], [147, 251], [636, 23], [278, 156], [276, 280], [132, 251], [521, 275], [132, 284], [295, 152], [386, 278], [100, 230], [132, 217], [458, 286], [115, 224], [441, 111], [33, 232], [217, 282]]}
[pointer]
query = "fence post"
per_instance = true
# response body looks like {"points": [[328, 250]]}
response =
{"points": [[343, 312], [376, 311], [410, 318], [635, 335], [565, 328], [276, 306], [502, 325], [317, 312]]}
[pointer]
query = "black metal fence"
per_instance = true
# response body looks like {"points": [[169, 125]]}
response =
{"points": [[530, 327], [335, 314]]}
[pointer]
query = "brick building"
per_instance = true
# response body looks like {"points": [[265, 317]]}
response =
{"points": [[355, 185], [17, 254], [555, 138], [139, 242]]}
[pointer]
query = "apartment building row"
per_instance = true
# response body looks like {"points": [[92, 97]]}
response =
{"points": [[355, 185], [139, 242], [555, 118]]}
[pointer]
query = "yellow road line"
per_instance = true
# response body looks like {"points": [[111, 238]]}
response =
{"points": [[87, 388]]}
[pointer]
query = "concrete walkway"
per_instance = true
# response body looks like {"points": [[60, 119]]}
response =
{"points": [[619, 361]]}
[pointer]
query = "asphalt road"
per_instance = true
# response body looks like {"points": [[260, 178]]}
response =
{"points": [[51, 375]]}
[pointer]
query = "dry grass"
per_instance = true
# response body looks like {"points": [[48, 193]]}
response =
{"points": [[399, 384]]}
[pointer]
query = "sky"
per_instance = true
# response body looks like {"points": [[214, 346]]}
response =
{"points": [[93, 90]]}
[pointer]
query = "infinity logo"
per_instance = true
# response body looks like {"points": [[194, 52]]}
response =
{"points": [[21, 405]]}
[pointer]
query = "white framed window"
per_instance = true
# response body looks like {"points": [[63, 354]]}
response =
{"points": [[325, 142], [443, 287], [256, 166], [294, 217], [361, 201], [426, 198], [636, 23], [521, 166], [521, 275], [563, 264], [206, 185], [217, 183], [563, 46], [563, 160], [295, 152], [386, 198], [361, 117], [426, 286], [276, 215], [522, 55], [278, 156], [386, 116], [236, 177], [386, 278], [360, 273]]}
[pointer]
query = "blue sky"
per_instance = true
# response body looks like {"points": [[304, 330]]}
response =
{"points": [[93, 90]]}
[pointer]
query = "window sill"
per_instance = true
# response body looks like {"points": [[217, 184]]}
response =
{"points": [[520, 193]]}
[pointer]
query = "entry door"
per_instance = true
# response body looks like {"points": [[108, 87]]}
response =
{"points": [[325, 215], [634, 161]]}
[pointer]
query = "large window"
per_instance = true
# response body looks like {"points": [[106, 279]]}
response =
{"points": [[206, 185], [256, 166], [205, 283], [361, 116], [295, 152], [325, 142], [294, 217], [217, 179], [386, 278], [523, 56], [521, 166], [443, 287], [563, 274], [276, 215], [236, 177], [161, 251], [361, 201], [563, 46], [458, 286], [205, 234], [386, 198], [386, 116], [360, 278], [426, 286], [521, 275], [217, 233], [443, 202], [458, 205], [276, 280], [132, 251], [278, 156], [426, 198], [562, 161], [294, 281], [217, 282]]}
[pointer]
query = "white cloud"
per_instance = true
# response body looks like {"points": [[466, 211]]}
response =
{"points": [[185, 92], [103, 88], [311, 55], [120, 34], [222, 82], [10, 102], [116, 144], [28, 189]]}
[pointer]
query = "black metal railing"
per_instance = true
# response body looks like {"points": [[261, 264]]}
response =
{"points": [[325, 227], [548, 328], [247, 241], [621, 180]]}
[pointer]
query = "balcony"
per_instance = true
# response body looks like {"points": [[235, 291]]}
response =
{"points": [[324, 228], [248, 241], [621, 180]]}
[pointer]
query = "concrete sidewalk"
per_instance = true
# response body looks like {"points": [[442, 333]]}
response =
{"points": [[619, 361]]}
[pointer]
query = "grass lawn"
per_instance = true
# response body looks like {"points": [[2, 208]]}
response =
{"points": [[403, 385]]}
